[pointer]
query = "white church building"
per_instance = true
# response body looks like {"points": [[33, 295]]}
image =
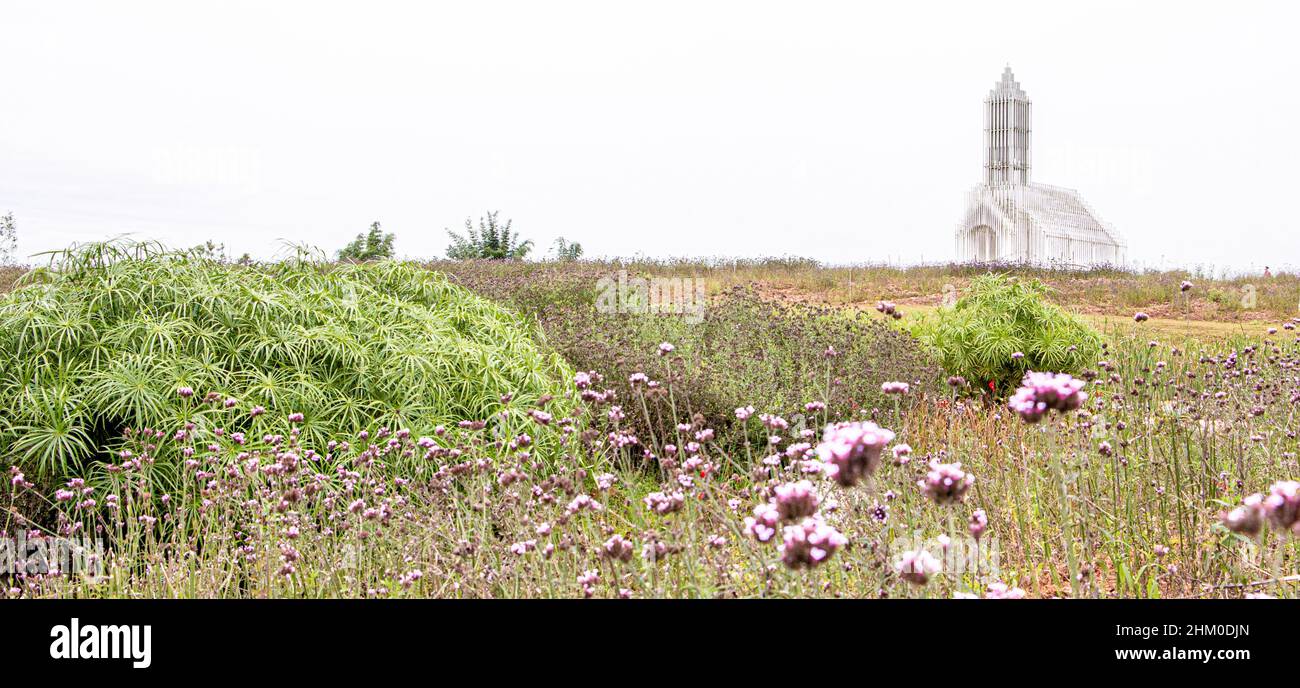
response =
{"points": [[1010, 219]]}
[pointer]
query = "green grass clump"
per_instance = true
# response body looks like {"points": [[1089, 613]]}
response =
{"points": [[998, 317], [104, 338]]}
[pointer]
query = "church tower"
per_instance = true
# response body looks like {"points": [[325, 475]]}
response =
{"points": [[1006, 133], [1010, 219]]}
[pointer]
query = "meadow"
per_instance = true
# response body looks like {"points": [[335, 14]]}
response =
{"points": [[484, 429]]}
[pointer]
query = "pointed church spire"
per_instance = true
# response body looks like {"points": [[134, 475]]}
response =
{"points": [[1008, 86]]}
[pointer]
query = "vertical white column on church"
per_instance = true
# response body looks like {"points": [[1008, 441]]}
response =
{"points": [[993, 140], [1012, 144]]}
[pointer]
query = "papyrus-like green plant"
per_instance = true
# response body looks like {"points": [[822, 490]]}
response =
{"points": [[104, 338], [999, 317]]}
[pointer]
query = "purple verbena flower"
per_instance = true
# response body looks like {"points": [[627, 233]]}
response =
{"points": [[916, 566], [664, 503], [796, 500], [1282, 506], [762, 525], [1000, 591], [946, 483], [979, 522], [851, 451], [1043, 392], [895, 387], [809, 543], [1247, 519], [617, 548]]}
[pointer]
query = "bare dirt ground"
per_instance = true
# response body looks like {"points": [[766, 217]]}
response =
{"points": [[1200, 319]]}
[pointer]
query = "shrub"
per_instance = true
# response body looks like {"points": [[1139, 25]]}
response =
{"points": [[9, 237], [373, 245], [492, 240], [566, 251], [1000, 316], [745, 351], [115, 336]]}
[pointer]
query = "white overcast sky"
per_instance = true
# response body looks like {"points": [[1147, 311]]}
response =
{"points": [[847, 132]]}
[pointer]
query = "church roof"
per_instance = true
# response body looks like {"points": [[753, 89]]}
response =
{"points": [[1062, 212], [1055, 211]]}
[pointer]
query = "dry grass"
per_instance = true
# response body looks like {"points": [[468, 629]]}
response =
{"points": [[1093, 292]]}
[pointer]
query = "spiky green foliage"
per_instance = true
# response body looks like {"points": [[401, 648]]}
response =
{"points": [[373, 245], [492, 240], [103, 339], [565, 251], [9, 237], [1000, 316]]}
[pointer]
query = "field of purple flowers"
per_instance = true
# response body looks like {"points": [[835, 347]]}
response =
{"points": [[769, 451]]}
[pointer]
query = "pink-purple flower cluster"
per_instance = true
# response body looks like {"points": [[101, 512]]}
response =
{"points": [[617, 548], [664, 503], [807, 540], [762, 525], [1282, 506], [1001, 591], [916, 566], [795, 500], [894, 387], [946, 483], [851, 451], [1043, 392], [1247, 519], [809, 543], [979, 522]]}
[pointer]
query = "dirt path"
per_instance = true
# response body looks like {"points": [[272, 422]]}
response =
{"points": [[1098, 316], [1200, 329]]}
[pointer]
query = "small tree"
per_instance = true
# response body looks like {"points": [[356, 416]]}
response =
{"points": [[373, 245], [491, 240], [565, 251], [8, 237]]}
